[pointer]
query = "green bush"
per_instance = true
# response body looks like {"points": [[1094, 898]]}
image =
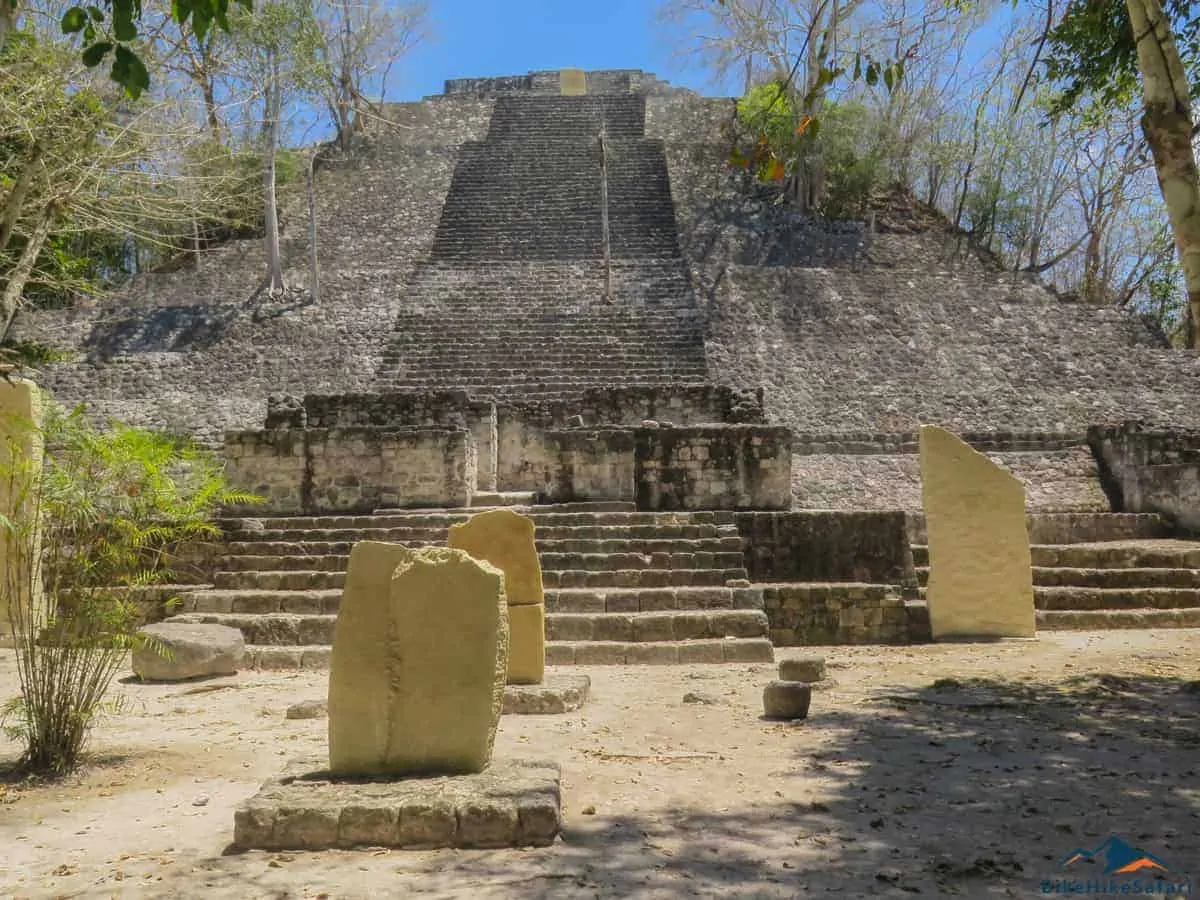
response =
{"points": [[93, 513]]}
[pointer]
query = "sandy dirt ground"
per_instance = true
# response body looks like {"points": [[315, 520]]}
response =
{"points": [[894, 787]]}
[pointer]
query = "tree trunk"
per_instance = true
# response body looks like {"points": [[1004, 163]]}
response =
{"points": [[16, 197], [10, 301], [210, 108], [314, 272], [1167, 125], [8, 20], [274, 259]]}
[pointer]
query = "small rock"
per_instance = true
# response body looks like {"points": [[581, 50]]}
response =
{"points": [[588, 810], [698, 697], [787, 700], [202, 800], [803, 668], [177, 651], [307, 709]]}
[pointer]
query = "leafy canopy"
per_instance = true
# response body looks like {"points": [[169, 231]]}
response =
{"points": [[111, 30]]}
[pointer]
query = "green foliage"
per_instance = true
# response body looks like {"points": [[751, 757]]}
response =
{"points": [[30, 354], [779, 141], [1092, 51], [99, 517], [854, 168], [112, 29]]}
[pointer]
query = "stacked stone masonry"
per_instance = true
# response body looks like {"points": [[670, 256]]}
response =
{"points": [[468, 303]]}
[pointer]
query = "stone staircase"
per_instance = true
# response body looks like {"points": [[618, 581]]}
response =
{"points": [[621, 586], [516, 298], [1103, 571]]}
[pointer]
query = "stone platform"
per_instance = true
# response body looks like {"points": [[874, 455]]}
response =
{"points": [[556, 694], [514, 803]]}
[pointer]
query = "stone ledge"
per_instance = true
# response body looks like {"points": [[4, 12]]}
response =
{"points": [[513, 803], [556, 694]]}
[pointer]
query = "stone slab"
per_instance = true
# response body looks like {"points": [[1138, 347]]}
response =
{"points": [[504, 538], [179, 651], [420, 654], [573, 82], [557, 694], [526, 644], [981, 575], [512, 803]]}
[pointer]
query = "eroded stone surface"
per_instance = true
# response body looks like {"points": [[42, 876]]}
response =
{"points": [[177, 651], [808, 669], [787, 700], [504, 538], [514, 803], [307, 709], [557, 694], [420, 655], [980, 579], [526, 644]]}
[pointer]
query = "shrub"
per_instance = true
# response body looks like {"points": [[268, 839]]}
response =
{"points": [[94, 512]]}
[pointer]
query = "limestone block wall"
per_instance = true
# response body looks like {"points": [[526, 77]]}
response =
{"points": [[669, 468], [1152, 471], [821, 614], [523, 454], [812, 545], [714, 467], [581, 464], [352, 470], [435, 409]]}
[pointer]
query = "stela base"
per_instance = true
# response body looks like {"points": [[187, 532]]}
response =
{"points": [[556, 694], [513, 803]]}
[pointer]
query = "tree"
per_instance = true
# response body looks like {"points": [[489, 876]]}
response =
{"points": [[357, 45], [82, 171], [1100, 48], [276, 47]]}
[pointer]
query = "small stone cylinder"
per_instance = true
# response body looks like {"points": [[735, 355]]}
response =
{"points": [[786, 700], [804, 668]]}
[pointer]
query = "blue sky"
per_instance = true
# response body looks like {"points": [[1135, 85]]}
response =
{"points": [[475, 38]]}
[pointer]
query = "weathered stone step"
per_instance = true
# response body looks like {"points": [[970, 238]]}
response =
{"points": [[284, 658], [1117, 578], [1128, 554], [1084, 598], [606, 562], [404, 535], [260, 602], [333, 556], [444, 518], [280, 580], [605, 653], [1073, 527], [274, 629], [634, 600], [1052, 576], [646, 578], [332, 562], [1120, 555], [1105, 619], [597, 653], [672, 625]]}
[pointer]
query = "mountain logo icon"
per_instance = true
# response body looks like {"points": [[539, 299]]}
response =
{"points": [[1119, 857]]}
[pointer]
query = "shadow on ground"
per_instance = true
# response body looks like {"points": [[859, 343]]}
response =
{"points": [[975, 788]]}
